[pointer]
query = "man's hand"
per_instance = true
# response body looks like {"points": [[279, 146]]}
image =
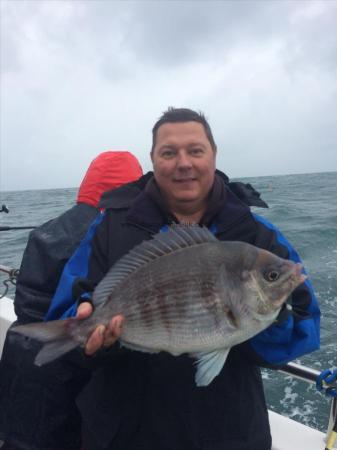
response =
{"points": [[102, 336]]}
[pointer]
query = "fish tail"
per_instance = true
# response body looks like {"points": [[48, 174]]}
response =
{"points": [[54, 350], [54, 334]]}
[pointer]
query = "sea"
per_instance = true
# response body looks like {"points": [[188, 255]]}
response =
{"points": [[303, 206]]}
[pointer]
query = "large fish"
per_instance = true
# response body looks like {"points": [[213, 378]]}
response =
{"points": [[184, 291]]}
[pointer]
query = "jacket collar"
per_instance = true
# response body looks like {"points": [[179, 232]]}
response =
{"points": [[225, 211], [122, 196], [144, 212]]}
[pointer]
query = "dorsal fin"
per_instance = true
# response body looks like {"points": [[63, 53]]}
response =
{"points": [[176, 238]]}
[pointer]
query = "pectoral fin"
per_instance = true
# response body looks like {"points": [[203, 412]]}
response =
{"points": [[209, 365]]}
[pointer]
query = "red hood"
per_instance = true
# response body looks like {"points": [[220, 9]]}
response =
{"points": [[108, 171]]}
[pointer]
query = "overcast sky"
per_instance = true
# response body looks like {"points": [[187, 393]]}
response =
{"points": [[82, 77]]}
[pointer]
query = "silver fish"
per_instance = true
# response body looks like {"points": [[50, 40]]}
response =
{"points": [[184, 291]]}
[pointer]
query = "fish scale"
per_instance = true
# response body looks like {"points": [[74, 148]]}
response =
{"points": [[177, 312]]}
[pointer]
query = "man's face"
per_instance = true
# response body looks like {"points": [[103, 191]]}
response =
{"points": [[183, 163]]}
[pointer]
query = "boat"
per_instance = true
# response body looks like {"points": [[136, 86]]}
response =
{"points": [[287, 434]]}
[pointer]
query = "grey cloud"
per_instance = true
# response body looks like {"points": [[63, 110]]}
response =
{"points": [[9, 39], [178, 33], [312, 42], [166, 34], [169, 33]]}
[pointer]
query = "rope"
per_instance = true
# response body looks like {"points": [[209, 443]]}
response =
{"points": [[332, 438], [324, 380], [12, 276]]}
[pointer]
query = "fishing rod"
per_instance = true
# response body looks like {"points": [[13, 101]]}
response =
{"points": [[6, 228], [29, 227]]}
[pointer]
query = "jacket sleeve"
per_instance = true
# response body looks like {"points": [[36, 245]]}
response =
{"points": [[74, 284], [297, 330]]}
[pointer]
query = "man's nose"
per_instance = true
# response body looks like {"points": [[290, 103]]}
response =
{"points": [[184, 161]]}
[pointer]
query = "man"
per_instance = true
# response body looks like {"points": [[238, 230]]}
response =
{"points": [[144, 401], [38, 409]]}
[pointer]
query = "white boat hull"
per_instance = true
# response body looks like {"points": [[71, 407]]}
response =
{"points": [[291, 435], [287, 434], [7, 316]]}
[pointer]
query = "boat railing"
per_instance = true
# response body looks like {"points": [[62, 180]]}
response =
{"points": [[324, 381], [304, 373]]}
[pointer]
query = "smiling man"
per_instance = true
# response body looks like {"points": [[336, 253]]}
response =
{"points": [[142, 401], [145, 401]]}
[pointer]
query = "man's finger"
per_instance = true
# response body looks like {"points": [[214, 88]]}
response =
{"points": [[95, 341], [84, 310], [116, 325], [114, 330]]}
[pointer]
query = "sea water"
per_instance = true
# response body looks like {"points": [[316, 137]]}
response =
{"points": [[303, 206]]}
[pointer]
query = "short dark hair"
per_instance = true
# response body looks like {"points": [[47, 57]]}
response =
{"points": [[174, 115]]}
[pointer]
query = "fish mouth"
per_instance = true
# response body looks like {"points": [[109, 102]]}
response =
{"points": [[296, 275], [289, 272], [292, 278]]}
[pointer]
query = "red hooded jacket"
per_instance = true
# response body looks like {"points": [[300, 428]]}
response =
{"points": [[107, 171]]}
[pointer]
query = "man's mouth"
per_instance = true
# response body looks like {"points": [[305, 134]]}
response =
{"points": [[184, 180]]}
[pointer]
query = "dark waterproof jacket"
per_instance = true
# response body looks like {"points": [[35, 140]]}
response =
{"points": [[144, 401]]}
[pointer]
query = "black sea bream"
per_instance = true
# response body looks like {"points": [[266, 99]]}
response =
{"points": [[182, 292]]}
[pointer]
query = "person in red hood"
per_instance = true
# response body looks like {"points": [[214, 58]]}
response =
{"points": [[29, 397], [108, 171]]}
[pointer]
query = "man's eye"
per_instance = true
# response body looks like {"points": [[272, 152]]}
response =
{"points": [[196, 151], [167, 153]]}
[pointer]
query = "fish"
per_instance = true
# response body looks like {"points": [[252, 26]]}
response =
{"points": [[182, 292]]}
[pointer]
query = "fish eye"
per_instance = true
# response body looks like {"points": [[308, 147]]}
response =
{"points": [[272, 275]]}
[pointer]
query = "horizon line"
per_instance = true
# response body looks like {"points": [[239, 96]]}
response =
{"points": [[231, 178]]}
